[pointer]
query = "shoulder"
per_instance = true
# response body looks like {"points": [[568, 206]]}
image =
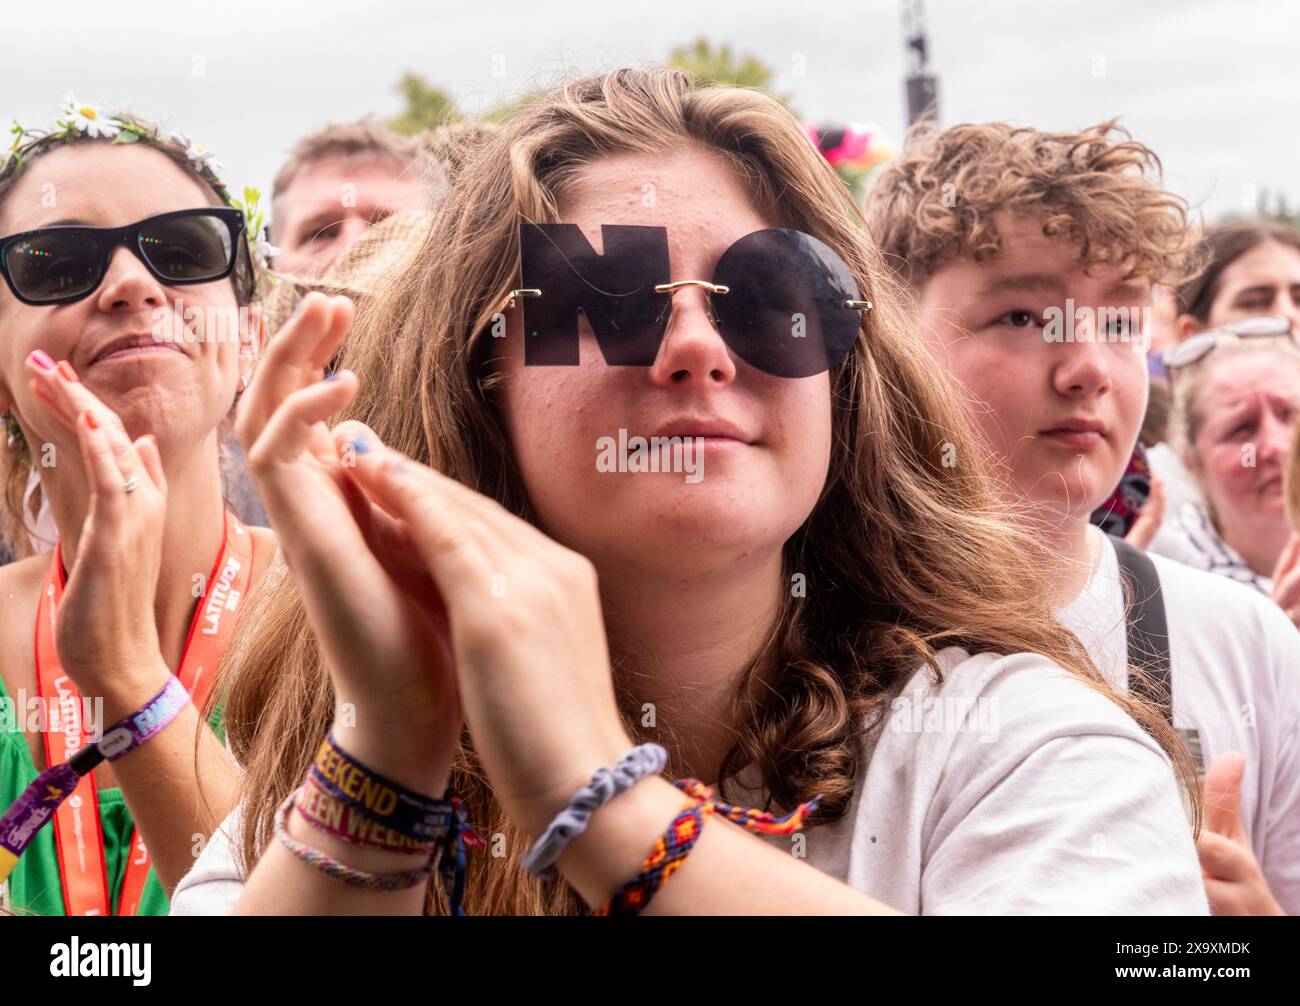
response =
{"points": [[1201, 587], [20, 587], [1030, 693], [1223, 613], [1003, 776], [23, 573], [991, 713]]}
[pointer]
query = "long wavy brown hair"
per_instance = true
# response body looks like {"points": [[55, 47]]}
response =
{"points": [[903, 554]]}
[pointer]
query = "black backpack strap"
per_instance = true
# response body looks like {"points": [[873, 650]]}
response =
{"points": [[1148, 631]]}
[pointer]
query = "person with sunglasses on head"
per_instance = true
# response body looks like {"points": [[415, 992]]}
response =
{"points": [[1236, 398], [1249, 269], [127, 280], [1031, 256], [832, 639]]}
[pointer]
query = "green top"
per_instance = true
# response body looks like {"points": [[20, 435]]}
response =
{"points": [[35, 887]]}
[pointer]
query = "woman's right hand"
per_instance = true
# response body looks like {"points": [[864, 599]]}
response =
{"points": [[396, 702]]}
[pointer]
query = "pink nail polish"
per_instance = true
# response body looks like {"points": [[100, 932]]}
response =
{"points": [[42, 359]]}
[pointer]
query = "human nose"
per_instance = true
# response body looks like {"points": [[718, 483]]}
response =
{"points": [[692, 348], [128, 285], [351, 229], [1082, 367], [1274, 437]]}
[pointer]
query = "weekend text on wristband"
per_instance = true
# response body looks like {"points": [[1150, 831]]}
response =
{"points": [[325, 812], [389, 803]]}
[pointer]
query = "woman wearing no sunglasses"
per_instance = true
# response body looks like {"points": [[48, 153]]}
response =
{"points": [[458, 560], [116, 405]]}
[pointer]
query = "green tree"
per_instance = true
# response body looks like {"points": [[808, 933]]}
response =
{"points": [[427, 107], [1270, 206], [710, 64]]}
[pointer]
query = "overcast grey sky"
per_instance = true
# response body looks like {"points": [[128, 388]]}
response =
{"points": [[1212, 85]]}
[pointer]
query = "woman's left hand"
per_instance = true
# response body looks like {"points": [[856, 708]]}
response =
{"points": [[527, 631], [105, 629]]}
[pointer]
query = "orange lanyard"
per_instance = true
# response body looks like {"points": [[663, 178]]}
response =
{"points": [[78, 832]]}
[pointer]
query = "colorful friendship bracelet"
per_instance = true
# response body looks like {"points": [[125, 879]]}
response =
{"points": [[669, 852], [401, 811], [331, 867], [38, 802], [322, 810], [671, 849], [391, 804], [759, 821], [641, 761]]}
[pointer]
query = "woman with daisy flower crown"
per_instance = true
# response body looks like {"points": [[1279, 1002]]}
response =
{"points": [[130, 330]]}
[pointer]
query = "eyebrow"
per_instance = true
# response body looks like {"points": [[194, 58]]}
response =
{"points": [[318, 222], [1028, 282], [1127, 290], [61, 222], [1256, 289]]}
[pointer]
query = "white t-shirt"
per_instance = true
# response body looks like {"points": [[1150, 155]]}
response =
{"points": [[1235, 661], [1013, 788]]}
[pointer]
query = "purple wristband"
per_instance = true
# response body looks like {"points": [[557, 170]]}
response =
{"points": [[38, 802], [34, 807], [127, 734]]}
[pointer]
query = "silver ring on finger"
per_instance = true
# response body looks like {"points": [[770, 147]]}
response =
{"points": [[131, 484]]}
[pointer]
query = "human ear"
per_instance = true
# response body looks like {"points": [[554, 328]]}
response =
{"points": [[1186, 325]]}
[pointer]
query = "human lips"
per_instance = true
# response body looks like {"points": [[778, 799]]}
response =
{"points": [[130, 346], [1273, 484], [1078, 432], [714, 430]]}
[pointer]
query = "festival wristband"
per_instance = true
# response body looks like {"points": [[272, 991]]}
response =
{"points": [[38, 802], [379, 798], [332, 868], [641, 761], [322, 810]]}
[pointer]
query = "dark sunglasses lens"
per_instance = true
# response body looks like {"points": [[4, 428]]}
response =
{"points": [[54, 267], [784, 312], [614, 290], [188, 249]]}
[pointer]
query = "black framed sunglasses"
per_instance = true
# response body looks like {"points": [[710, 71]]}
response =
{"points": [[64, 263], [782, 300]]}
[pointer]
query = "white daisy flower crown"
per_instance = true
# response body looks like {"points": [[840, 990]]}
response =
{"points": [[77, 119]]}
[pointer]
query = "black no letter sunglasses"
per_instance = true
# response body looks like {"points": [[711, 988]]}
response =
{"points": [[64, 263], [783, 301]]}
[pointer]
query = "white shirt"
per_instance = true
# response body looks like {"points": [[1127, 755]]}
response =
{"points": [[1235, 661], [1012, 788]]}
